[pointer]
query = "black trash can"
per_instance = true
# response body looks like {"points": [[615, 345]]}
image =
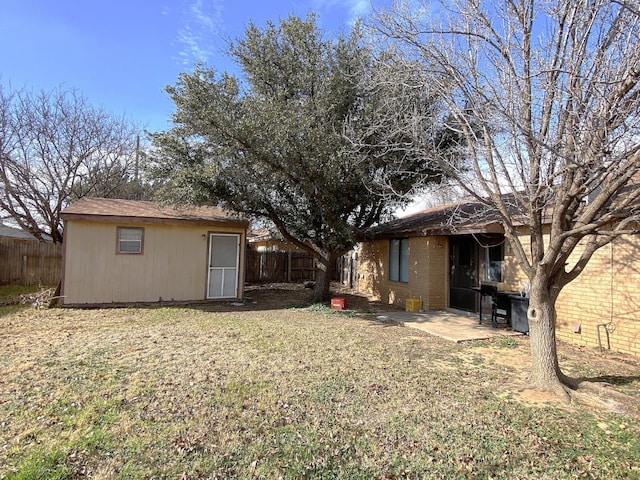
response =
{"points": [[519, 307]]}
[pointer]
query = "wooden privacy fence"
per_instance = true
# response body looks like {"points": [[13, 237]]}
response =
{"points": [[29, 262], [346, 270], [273, 267]]}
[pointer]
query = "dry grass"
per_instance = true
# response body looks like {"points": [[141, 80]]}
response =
{"points": [[12, 294], [264, 391]]}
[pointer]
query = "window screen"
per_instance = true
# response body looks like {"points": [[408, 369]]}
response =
{"points": [[399, 260], [130, 240]]}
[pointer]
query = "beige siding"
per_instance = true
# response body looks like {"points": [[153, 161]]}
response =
{"points": [[428, 277], [173, 266]]}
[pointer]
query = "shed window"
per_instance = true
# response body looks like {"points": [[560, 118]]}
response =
{"points": [[130, 240], [399, 260]]}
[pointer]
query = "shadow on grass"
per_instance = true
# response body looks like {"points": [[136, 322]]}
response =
{"points": [[618, 380], [264, 298]]}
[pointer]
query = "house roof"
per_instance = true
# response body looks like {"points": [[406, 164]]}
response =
{"points": [[450, 219], [10, 232], [263, 234], [259, 235], [118, 210], [464, 217]]}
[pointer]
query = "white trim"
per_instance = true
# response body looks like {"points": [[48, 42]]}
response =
{"points": [[211, 268]]}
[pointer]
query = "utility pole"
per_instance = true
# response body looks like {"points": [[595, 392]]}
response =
{"points": [[137, 158]]}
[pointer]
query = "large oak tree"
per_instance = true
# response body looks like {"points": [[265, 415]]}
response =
{"points": [[274, 142]]}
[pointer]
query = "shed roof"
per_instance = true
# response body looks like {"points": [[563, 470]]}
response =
{"points": [[118, 210], [450, 219]]}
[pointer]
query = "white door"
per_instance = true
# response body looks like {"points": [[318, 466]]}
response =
{"points": [[224, 258]]}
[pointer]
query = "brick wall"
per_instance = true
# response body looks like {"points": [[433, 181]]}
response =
{"points": [[427, 272], [604, 299]]}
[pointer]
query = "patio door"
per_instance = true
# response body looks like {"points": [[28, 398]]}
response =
{"points": [[224, 259], [463, 261]]}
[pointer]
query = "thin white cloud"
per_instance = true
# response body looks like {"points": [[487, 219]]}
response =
{"points": [[202, 23], [356, 8], [359, 8]]}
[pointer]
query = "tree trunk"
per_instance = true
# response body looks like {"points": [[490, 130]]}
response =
{"points": [[321, 290], [545, 372]]}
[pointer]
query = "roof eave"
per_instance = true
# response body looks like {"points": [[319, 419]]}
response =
{"points": [[231, 222], [492, 227]]}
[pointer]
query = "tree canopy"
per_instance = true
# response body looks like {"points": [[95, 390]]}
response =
{"points": [[56, 147], [546, 96], [277, 142]]}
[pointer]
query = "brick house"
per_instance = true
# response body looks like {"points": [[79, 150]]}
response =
{"points": [[425, 256], [265, 240]]}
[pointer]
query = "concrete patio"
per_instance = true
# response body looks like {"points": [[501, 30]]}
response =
{"points": [[452, 325]]}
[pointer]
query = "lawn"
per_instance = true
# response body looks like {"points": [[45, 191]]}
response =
{"points": [[250, 392], [12, 294]]}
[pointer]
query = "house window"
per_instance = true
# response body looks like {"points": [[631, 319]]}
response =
{"points": [[399, 260], [494, 258], [130, 240]]}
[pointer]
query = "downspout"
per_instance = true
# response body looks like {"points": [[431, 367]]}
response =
{"points": [[610, 322], [598, 326]]}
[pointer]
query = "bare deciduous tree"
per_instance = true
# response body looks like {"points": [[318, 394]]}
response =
{"points": [[55, 147], [546, 95]]}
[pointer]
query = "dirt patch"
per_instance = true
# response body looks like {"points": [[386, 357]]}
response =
{"points": [[284, 295], [599, 387], [536, 397]]}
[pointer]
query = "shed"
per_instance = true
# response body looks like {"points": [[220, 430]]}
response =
{"points": [[124, 251]]}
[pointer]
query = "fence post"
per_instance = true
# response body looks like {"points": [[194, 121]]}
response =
{"points": [[289, 267], [23, 273]]}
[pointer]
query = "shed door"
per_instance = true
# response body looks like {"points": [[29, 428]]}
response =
{"points": [[224, 257]]}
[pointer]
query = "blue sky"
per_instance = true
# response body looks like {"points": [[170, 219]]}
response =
{"points": [[122, 53]]}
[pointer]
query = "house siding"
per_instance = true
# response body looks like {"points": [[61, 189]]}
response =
{"points": [[428, 266], [173, 266]]}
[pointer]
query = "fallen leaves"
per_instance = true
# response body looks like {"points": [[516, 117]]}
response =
{"points": [[280, 393]]}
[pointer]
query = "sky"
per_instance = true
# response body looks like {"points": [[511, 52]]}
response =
{"points": [[121, 54]]}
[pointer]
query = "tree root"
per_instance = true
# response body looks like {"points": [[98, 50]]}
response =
{"points": [[571, 388], [583, 385], [562, 391], [566, 388], [570, 391], [559, 389]]}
